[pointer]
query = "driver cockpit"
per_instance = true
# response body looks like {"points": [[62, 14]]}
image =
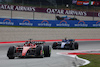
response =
{"points": [[65, 40]]}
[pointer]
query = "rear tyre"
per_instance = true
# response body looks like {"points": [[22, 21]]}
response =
{"points": [[72, 47], [47, 51], [11, 52], [76, 45], [54, 45]]}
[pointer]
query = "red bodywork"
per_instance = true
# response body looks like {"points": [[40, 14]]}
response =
{"points": [[25, 48]]}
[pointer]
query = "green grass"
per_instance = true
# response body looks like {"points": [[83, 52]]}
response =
{"points": [[94, 60]]}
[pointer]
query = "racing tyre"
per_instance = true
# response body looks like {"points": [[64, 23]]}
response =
{"points": [[47, 51], [76, 45], [72, 47], [11, 52], [39, 51], [54, 45]]}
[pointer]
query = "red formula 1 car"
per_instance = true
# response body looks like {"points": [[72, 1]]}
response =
{"points": [[29, 49]]}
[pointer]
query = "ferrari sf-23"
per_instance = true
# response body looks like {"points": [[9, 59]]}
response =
{"points": [[66, 44], [29, 49]]}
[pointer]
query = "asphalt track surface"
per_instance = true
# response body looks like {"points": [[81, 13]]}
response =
{"points": [[54, 61]]}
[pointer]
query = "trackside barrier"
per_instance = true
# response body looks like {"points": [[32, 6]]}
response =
{"points": [[49, 41], [48, 23]]}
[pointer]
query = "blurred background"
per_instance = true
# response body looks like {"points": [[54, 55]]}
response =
{"points": [[77, 5], [17, 34], [70, 4]]}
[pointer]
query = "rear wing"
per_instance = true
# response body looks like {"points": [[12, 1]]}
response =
{"points": [[71, 40], [39, 42]]}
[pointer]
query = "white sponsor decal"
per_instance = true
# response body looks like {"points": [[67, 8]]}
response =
{"points": [[7, 23], [58, 11], [9, 7], [19, 8], [27, 24], [63, 24], [83, 25], [96, 24], [98, 14], [69, 12], [80, 13], [22, 8], [44, 24]]}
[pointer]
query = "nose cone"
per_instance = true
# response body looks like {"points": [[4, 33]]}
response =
{"points": [[25, 49]]}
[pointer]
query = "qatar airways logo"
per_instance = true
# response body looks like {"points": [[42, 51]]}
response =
{"points": [[98, 14], [67, 12], [97, 24], [26, 23], [7, 22], [63, 23], [20, 8], [81, 23], [44, 23]]}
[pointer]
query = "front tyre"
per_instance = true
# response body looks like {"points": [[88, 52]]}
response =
{"points": [[39, 51], [11, 52], [47, 51], [54, 46]]}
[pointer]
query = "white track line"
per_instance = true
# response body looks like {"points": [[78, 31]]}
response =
{"points": [[76, 57]]}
